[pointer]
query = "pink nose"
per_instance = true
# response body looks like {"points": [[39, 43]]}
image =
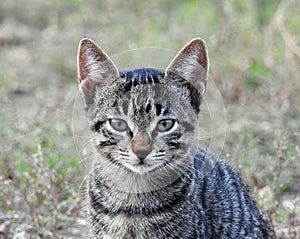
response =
{"points": [[141, 146]]}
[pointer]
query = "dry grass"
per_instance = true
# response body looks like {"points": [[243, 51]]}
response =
{"points": [[254, 53]]}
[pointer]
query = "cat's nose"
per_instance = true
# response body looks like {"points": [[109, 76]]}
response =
{"points": [[142, 153], [141, 146]]}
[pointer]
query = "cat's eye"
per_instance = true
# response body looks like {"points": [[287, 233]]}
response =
{"points": [[165, 125], [118, 124]]}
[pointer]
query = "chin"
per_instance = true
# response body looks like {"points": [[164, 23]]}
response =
{"points": [[142, 168]]}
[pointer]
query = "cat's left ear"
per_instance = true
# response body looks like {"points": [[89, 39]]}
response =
{"points": [[191, 65]]}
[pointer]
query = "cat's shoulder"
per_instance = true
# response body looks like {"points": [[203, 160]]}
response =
{"points": [[213, 166]]}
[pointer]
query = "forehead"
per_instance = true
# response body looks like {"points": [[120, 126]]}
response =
{"points": [[143, 86], [145, 100], [142, 93]]}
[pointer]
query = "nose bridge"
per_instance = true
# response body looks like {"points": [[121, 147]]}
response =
{"points": [[141, 140]]}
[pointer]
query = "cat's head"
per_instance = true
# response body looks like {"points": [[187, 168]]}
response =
{"points": [[144, 120]]}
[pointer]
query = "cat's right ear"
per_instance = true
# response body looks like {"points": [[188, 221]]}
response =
{"points": [[95, 69]]}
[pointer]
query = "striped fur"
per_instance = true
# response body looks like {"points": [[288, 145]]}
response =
{"points": [[149, 178]]}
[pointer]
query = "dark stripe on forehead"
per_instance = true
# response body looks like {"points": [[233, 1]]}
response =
{"points": [[158, 109], [161, 110], [148, 108], [142, 76], [132, 79], [165, 111]]}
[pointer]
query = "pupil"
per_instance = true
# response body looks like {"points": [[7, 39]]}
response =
{"points": [[166, 124]]}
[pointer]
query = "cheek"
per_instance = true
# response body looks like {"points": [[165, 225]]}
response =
{"points": [[160, 143]]}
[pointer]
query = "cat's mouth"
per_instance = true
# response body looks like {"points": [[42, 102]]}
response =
{"points": [[140, 164], [144, 167]]}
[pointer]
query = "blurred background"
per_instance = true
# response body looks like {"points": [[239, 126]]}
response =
{"points": [[254, 52]]}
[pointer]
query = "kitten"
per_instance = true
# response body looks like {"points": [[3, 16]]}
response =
{"points": [[149, 178]]}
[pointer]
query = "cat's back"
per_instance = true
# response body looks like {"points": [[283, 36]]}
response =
{"points": [[225, 200]]}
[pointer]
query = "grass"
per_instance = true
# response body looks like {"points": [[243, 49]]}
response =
{"points": [[41, 181], [254, 62]]}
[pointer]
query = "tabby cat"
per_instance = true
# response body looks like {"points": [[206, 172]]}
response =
{"points": [[149, 178]]}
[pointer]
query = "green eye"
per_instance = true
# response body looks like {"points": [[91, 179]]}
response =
{"points": [[118, 124], [165, 125]]}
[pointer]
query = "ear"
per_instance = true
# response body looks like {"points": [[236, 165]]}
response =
{"points": [[191, 65], [95, 69]]}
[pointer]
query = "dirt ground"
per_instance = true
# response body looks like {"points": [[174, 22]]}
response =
{"points": [[250, 115]]}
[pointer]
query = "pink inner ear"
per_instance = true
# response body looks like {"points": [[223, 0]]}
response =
{"points": [[197, 48], [190, 56], [82, 64], [89, 86]]}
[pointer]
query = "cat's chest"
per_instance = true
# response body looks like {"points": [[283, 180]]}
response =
{"points": [[122, 226], [158, 224], [154, 215]]}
